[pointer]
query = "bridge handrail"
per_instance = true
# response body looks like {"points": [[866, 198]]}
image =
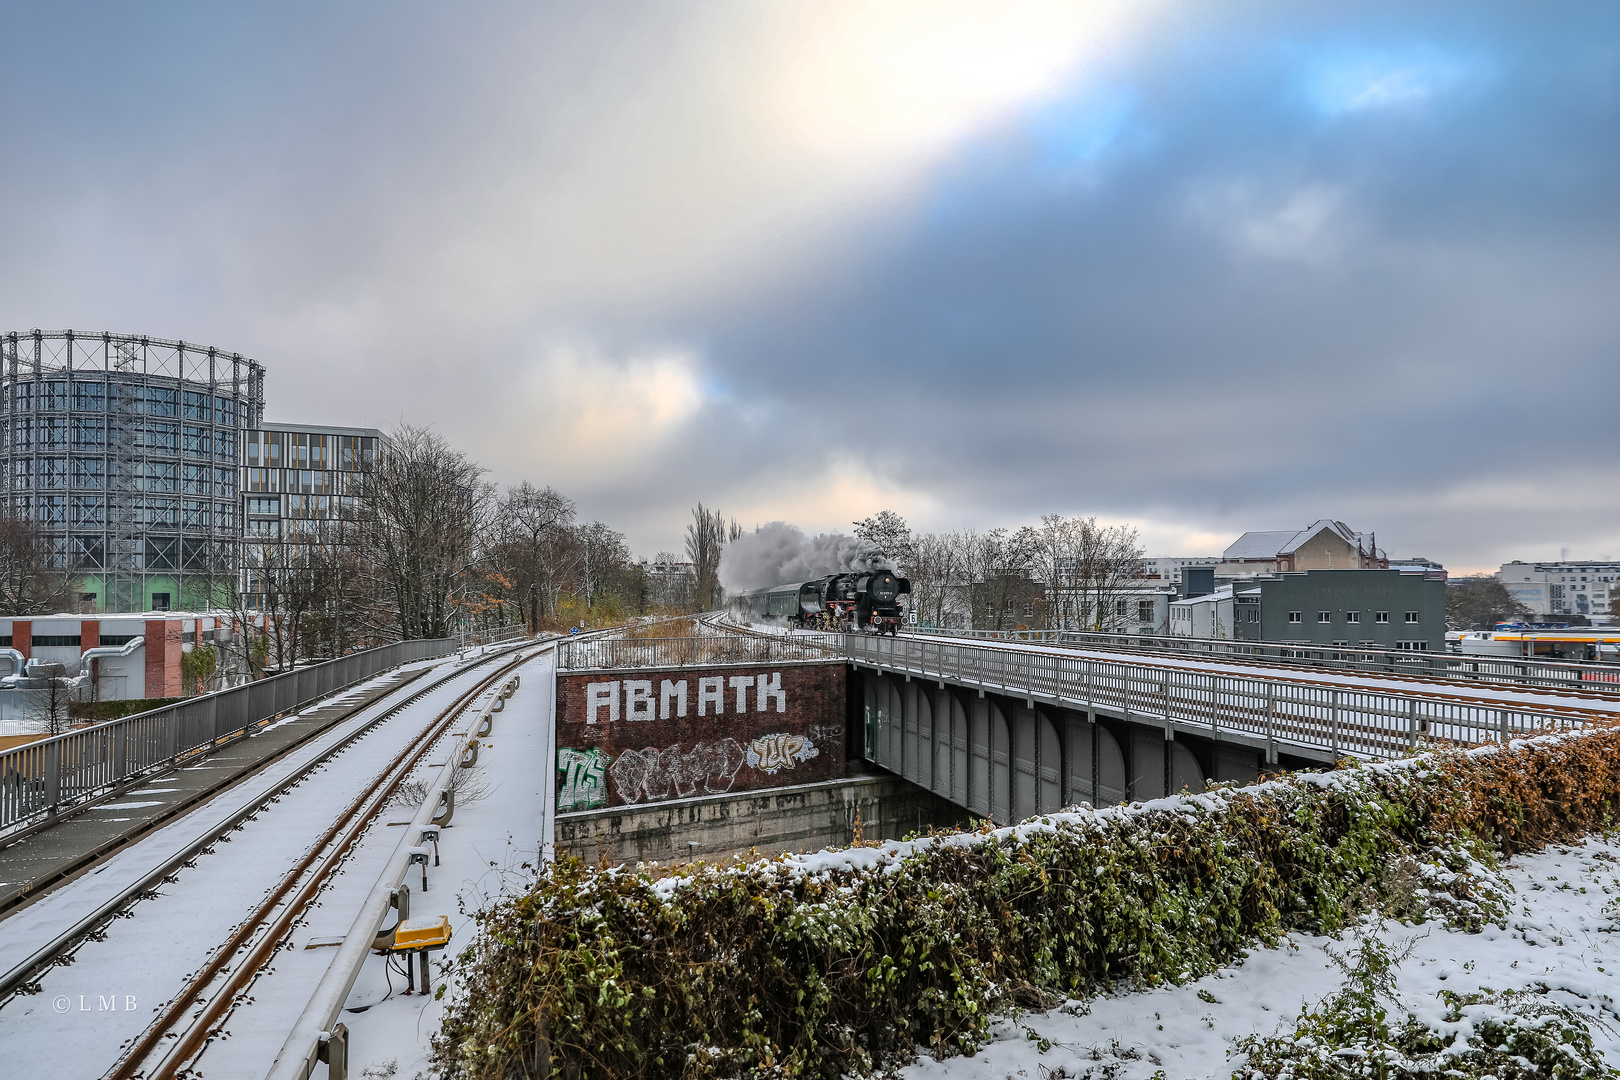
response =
{"points": [[718, 650], [43, 778], [1342, 719], [1469, 667]]}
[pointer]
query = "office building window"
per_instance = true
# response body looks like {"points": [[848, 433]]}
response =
{"points": [[1324, 616], [1411, 617], [1296, 616], [88, 431], [1381, 617], [89, 472], [89, 397], [1352, 616], [197, 480]]}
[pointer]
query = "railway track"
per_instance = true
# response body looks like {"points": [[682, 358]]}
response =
{"points": [[181, 1028]]}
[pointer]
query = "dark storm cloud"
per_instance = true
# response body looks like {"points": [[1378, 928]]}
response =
{"points": [[1210, 271], [1279, 291]]}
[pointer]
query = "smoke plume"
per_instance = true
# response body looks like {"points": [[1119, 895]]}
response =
{"points": [[778, 553]]}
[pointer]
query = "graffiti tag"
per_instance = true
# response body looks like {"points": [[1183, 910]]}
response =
{"points": [[653, 773], [584, 778], [772, 753]]}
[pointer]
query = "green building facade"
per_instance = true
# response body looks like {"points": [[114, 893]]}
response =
{"points": [[1385, 609]]}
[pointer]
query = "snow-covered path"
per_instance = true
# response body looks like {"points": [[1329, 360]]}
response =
{"points": [[1561, 935]]}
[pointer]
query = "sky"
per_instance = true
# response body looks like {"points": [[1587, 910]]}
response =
{"points": [[1197, 268]]}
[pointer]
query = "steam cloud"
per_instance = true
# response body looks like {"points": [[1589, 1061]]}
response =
{"points": [[779, 553]]}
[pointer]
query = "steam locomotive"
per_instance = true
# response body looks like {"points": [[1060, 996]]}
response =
{"points": [[868, 601]]}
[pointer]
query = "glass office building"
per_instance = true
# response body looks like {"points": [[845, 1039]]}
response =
{"points": [[126, 449], [301, 486]]}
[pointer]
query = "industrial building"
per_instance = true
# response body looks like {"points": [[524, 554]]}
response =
{"points": [[126, 450], [1389, 609], [113, 657]]}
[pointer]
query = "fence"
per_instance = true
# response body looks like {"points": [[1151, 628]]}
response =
{"points": [[1472, 667], [709, 651], [46, 777], [1343, 720], [467, 638]]}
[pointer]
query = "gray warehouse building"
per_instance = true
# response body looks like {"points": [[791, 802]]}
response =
{"points": [[1389, 609]]}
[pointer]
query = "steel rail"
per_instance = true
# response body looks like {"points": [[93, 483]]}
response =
{"points": [[267, 926], [42, 886], [20, 974]]}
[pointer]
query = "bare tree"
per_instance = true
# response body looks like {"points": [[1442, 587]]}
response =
{"points": [[936, 570], [537, 542], [30, 582], [49, 695], [889, 533], [605, 560], [1480, 603], [424, 524], [705, 540], [1103, 566]]}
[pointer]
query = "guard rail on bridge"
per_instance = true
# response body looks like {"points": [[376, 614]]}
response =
{"points": [[1471, 667], [43, 778], [1341, 720], [612, 653]]}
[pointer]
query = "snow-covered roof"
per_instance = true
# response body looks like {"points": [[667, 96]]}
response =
{"points": [[1269, 545], [1258, 545], [1222, 593]]}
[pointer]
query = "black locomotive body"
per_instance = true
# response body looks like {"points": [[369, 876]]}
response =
{"points": [[867, 601]]}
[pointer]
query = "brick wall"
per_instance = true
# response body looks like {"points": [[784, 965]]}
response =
{"points": [[646, 736]]}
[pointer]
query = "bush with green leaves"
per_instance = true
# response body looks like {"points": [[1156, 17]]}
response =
{"points": [[844, 962]]}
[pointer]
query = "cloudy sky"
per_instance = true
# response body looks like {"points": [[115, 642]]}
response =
{"points": [[1202, 268]]}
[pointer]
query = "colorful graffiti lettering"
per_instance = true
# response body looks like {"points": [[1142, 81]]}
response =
{"points": [[584, 778], [652, 773], [772, 753]]}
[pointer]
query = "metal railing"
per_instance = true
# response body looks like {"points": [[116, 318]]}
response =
{"points": [[44, 778], [1598, 676], [511, 632], [706, 651], [1342, 720]]}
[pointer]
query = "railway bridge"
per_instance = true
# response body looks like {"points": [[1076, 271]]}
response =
{"points": [[1006, 730]]}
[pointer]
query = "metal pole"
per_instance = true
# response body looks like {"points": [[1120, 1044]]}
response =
{"points": [[1335, 733], [1271, 708]]}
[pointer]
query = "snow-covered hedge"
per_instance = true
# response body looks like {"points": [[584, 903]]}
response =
{"points": [[839, 962]]}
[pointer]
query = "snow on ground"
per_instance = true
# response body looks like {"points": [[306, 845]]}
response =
{"points": [[1561, 935], [86, 1011], [481, 854]]}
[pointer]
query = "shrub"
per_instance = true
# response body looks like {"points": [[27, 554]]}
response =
{"points": [[839, 962], [1488, 1035]]}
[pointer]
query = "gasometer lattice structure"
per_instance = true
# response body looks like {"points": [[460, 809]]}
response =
{"points": [[125, 449]]}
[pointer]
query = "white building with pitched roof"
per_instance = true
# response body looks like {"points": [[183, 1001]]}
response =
{"points": [[1321, 545]]}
